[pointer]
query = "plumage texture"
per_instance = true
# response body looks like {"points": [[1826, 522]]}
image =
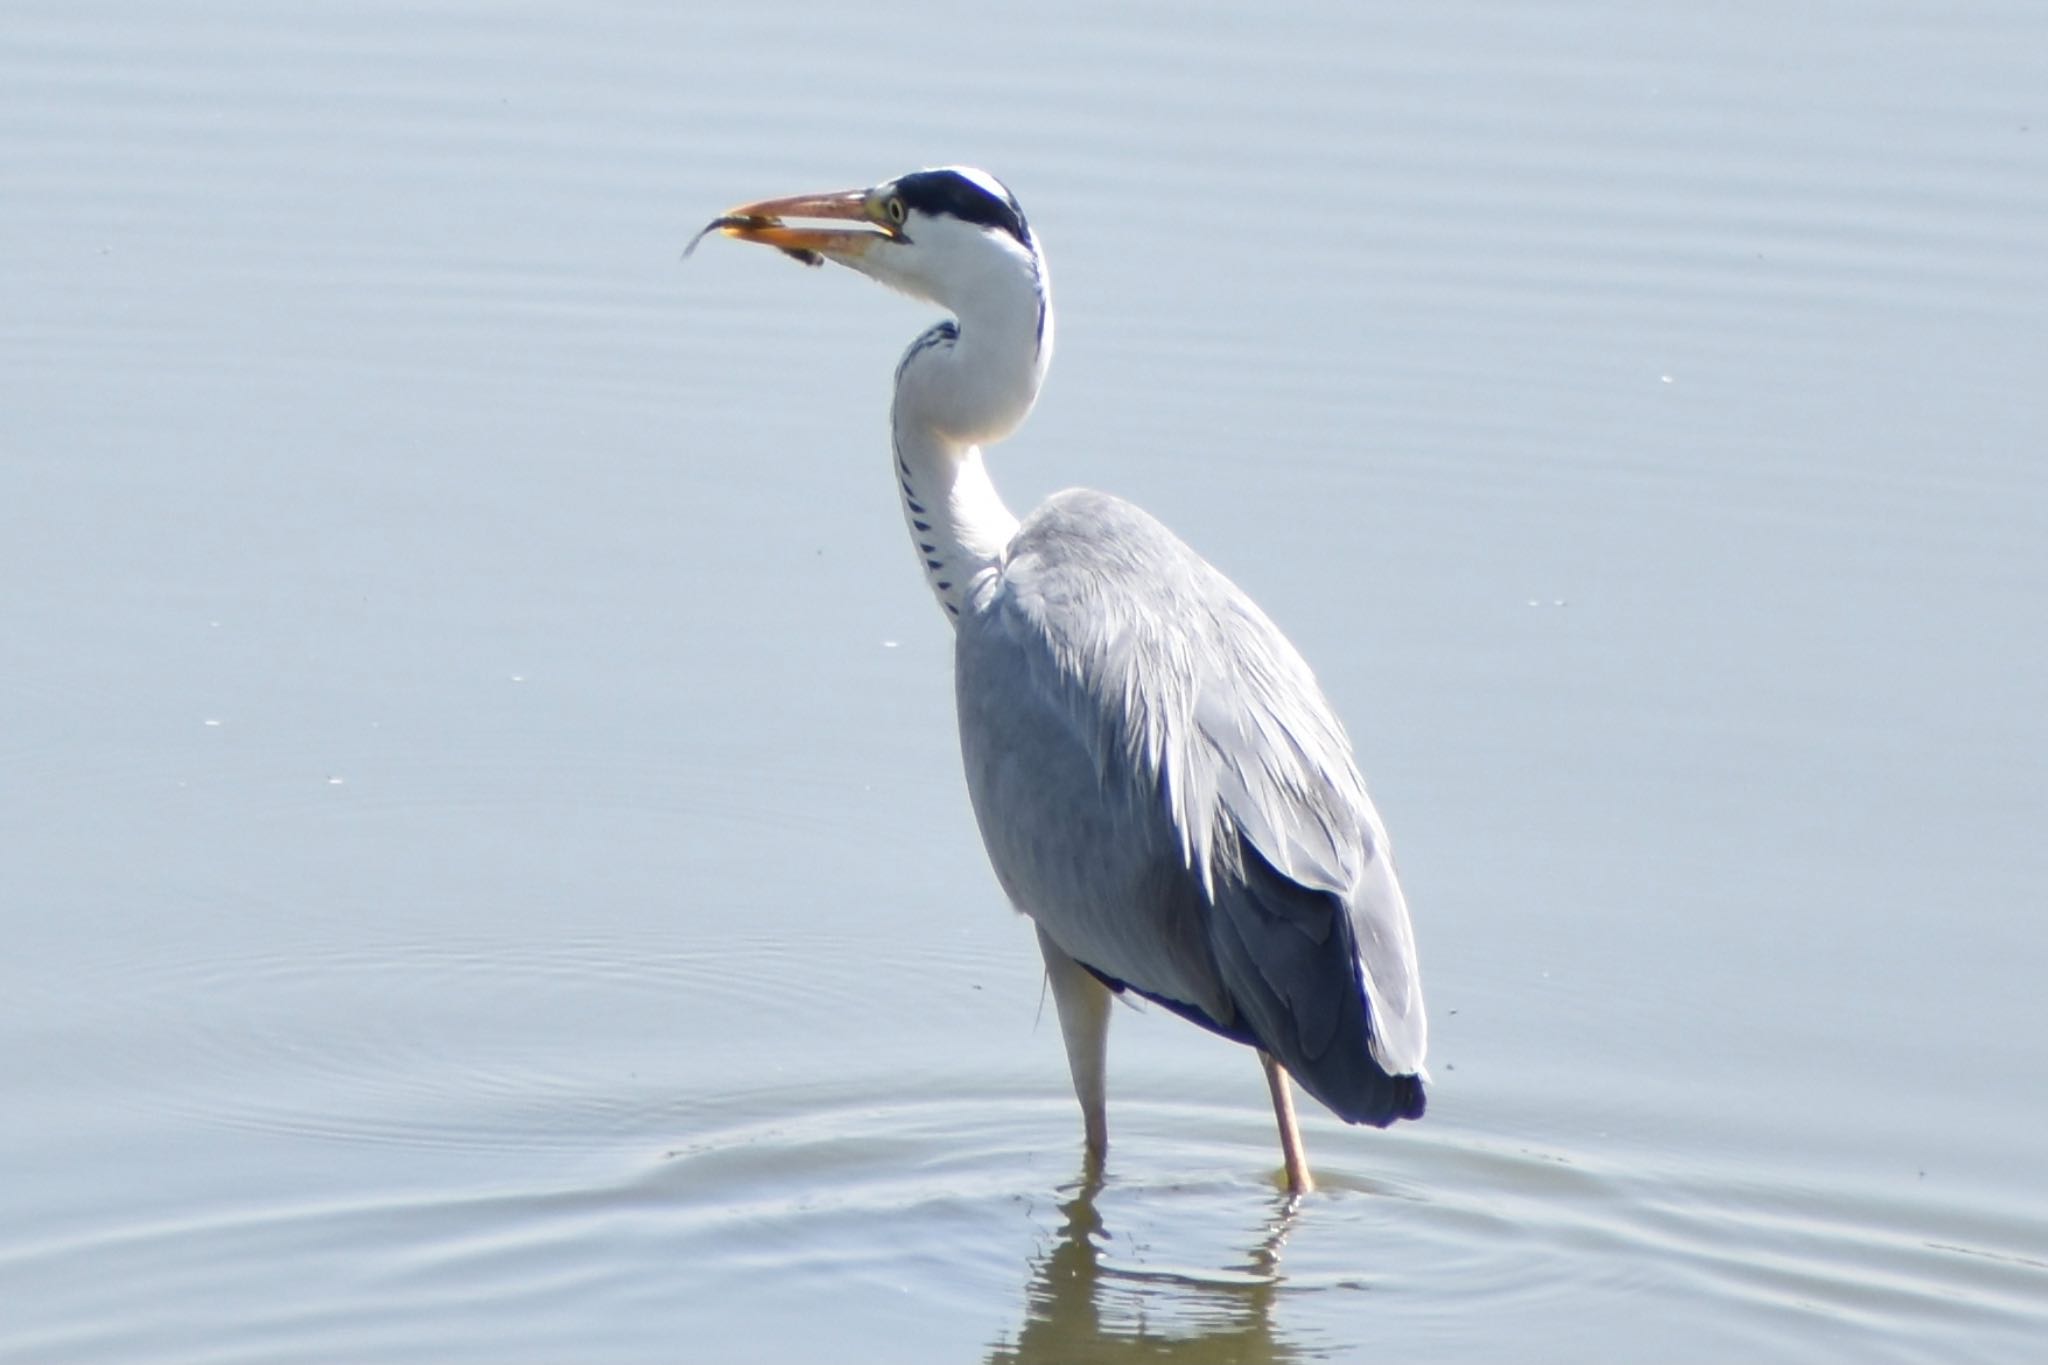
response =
{"points": [[1160, 783], [1164, 789]]}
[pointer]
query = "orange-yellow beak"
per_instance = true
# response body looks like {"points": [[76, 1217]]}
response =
{"points": [[806, 226]]}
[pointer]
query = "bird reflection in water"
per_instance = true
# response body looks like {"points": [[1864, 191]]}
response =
{"points": [[1078, 1311]]}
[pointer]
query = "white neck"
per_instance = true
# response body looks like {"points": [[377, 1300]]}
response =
{"points": [[960, 387], [957, 521]]}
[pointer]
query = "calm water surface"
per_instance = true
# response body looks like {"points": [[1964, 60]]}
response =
{"points": [[483, 864]]}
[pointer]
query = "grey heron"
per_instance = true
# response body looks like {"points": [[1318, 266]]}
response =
{"points": [[1159, 780]]}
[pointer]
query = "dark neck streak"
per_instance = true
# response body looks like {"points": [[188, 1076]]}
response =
{"points": [[957, 523]]}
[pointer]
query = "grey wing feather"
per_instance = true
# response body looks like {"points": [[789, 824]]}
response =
{"points": [[1164, 789]]}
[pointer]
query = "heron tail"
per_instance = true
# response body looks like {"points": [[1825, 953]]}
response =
{"points": [[1288, 957]]}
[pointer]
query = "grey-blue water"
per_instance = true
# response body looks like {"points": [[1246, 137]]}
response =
{"points": [[484, 871]]}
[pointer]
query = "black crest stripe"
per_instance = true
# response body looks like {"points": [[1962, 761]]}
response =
{"points": [[947, 191]]}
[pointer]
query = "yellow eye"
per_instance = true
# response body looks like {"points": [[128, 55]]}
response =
{"points": [[894, 208]]}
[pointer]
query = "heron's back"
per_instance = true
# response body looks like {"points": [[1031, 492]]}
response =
{"points": [[1162, 786]]}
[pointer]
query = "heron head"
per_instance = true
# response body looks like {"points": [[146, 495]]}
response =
{"points": [[938, 235]]}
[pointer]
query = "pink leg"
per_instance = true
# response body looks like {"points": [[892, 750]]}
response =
{"points": [[1299, 1181]]}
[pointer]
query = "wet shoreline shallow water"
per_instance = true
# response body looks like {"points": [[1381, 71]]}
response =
{"points": [[482, 851]]}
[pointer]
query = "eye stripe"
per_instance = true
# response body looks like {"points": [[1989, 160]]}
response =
{"points": [[971, 196]]}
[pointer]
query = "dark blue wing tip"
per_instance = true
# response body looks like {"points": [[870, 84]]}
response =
{"points": [[1377, 1098], [1402, 1097]]}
